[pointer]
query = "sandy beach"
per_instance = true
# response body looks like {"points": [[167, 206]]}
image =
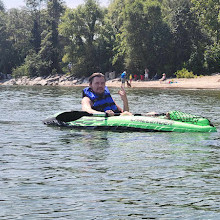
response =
{"points": [[203, 82]]}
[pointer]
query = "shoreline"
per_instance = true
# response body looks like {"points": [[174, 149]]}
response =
{"points": [[203, 82]]}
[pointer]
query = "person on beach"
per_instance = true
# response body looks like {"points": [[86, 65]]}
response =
{"points": [[146, 74], [163, 78], [97, 98], [123, 78], [135, 77], [130, 78], [70, 67]]}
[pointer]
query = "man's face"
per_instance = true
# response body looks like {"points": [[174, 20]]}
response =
{"points": [[98, 85]]}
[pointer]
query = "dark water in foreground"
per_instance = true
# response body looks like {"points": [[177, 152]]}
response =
{"points": [[53, 173]]}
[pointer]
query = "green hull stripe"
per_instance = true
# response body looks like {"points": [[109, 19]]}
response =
{"points": [[141, 123]]}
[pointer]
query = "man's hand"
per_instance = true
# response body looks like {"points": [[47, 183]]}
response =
{"points": [[110, 113], [122, 93], [126, 113]]}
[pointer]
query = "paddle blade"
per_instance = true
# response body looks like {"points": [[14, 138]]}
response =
{"points": [[52, 121], [71, 116]]}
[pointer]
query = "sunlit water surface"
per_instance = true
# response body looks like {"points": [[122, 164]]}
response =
{"points": [[53, 173]]}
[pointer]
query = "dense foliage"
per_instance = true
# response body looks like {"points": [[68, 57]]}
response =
{"points": [[169, 36]]}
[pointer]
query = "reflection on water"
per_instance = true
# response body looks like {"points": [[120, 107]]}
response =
{"points": [[49, 173]]}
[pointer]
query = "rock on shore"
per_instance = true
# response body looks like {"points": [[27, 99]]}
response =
{"points": [[57, 80]]}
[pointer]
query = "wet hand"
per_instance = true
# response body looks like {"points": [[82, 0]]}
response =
{"points": [[126, 113], [122, 93]]}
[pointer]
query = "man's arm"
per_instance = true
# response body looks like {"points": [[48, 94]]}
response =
{"points": [[87, 106], [123, 95]]}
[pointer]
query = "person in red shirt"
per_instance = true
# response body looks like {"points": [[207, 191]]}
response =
{"points": [[135, 77]]}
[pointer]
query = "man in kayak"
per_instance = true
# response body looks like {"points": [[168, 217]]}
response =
{"points": [[97, 98]]}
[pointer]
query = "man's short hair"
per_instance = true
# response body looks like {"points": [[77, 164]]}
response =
{"points": [[95, 75]]}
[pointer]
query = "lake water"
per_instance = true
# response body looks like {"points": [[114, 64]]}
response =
{"points": [[52, 173]]}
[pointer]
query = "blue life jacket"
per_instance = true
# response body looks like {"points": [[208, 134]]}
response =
{"points": [[102, 102]]}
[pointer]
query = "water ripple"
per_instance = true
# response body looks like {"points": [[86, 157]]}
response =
{"points": [[53, 173]]}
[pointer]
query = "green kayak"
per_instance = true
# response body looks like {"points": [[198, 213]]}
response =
{"points": [[173, 121]]}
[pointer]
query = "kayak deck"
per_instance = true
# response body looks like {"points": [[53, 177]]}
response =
{"points": [[177, 122]]}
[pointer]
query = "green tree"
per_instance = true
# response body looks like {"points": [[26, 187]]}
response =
{"points": [[14, 37], [188, 39], [116, 14], [44, 59], [35, 8], [105, 44], [2, 7], [50, 51], [116, 11], [6, 47], [212, 58], [82, 27], [208, 13], [19, 24], [142, 37]]}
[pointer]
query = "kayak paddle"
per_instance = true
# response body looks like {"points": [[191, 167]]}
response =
{"points": [[72, 116], [75, 115]]}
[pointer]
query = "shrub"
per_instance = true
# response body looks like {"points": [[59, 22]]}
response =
{"points": [[184, 73], [20, 71]]}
